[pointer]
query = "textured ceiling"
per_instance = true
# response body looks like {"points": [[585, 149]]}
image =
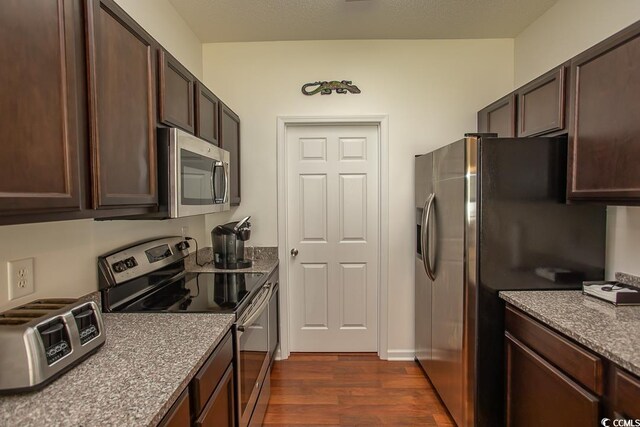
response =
{"points": [[267, 20]]}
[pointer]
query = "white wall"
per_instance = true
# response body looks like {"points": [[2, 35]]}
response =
{"points": [[566, 29], [65, 252], [431, 91], [163, 22]]}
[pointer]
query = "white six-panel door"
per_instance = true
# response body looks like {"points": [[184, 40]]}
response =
{"points": [[332, 223]]}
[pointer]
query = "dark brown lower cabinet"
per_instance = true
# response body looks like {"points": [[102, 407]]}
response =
{"points": [[220, 409], [625, 392], [212, 388], [552, 380], [179, 415], [538, 394]]}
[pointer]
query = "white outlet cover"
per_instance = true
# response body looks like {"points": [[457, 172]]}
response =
{"points": [[21, 278]]}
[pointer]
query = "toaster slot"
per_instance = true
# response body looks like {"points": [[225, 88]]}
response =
{"points": [[55, 339], [87, 323]]}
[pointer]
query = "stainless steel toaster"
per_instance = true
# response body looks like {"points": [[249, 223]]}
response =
{"points": [[45, 338]]}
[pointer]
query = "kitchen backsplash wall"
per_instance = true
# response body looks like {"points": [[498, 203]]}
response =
{"points": [[566, 29], [66, 252], [430, 89]]}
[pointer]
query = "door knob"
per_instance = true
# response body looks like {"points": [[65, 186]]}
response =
{"points": [[294, 252]]}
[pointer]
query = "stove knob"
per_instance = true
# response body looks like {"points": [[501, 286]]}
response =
{"points": [[130, 262], [119, 266], [184, 245]]}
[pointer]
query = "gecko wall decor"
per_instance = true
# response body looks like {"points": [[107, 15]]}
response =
{"points": [[325, 88]]}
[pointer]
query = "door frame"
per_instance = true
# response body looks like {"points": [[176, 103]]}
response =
{"points": [[382, 123]]}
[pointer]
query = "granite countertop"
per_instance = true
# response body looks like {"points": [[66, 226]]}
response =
{"points": [[264, 260], [146, 362], [613, 332]]}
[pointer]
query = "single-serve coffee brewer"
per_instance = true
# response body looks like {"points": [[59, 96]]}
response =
{"points": [[228, 244]]}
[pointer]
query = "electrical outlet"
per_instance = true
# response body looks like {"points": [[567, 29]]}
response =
{"points": [[21, 281], [185, 231]]}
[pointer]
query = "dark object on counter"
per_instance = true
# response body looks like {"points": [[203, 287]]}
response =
{"points": [[43, 339], [559, 275], [228, 244], [613, 292]]}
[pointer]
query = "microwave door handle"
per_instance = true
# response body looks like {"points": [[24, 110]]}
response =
{"points": [[252, 317], [225, 167], [217, 166], [213, 184]]}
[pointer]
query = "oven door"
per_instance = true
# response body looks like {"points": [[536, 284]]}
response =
{"points": [[199, 173], [252, 343]]}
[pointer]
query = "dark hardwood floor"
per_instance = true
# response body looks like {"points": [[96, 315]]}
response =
{"points": [[351, 389]]}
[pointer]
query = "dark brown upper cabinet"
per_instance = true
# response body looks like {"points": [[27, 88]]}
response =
{"points": [[499, 117], [41, 107], [541, 104], [176, 93], [604, 133], [122, 82], [230, 141], [207, 111]]}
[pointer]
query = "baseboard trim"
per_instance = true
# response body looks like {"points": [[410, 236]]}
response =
{"points": [[400, 355]]}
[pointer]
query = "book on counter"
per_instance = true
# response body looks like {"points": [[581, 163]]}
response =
{"points": [[614, 292]]}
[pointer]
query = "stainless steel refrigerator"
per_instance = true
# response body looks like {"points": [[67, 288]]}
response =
{"points": [[491, 215]]}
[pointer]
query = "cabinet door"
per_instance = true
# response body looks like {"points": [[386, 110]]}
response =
{"points": [[179, 414], [604, 133], [538, 394], [541, 104], [40, 107], [499, 117], [207, 106], [626, 395], [122, 108], [230, 141], [176, 93], [220, 409]]}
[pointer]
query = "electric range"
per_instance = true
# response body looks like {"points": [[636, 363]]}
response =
{"points": [[150, 277]]}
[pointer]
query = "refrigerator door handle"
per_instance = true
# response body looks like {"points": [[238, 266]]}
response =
{"points": [[426, 248], [423, 231]]}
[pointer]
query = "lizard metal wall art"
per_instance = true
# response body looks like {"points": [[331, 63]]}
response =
{"points": [[325, 88]]}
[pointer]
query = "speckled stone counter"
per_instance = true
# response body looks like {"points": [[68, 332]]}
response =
{"points": [[613, 332], [146, 362], [265, 260]]}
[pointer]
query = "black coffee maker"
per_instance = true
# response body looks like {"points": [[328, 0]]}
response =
{"points": [[228, 244]]}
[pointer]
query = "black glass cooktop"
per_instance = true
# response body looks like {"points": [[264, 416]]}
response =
{"points": [[197, 292]]}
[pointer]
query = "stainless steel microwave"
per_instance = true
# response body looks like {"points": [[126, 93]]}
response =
{"points": [[193, 175]]}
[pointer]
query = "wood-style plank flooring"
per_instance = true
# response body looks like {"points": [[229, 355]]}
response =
{"points": [[326, 389]]}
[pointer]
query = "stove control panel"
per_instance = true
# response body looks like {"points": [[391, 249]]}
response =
{"points": [[141, 259]]}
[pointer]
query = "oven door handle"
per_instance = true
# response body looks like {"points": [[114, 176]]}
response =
{"points": [[257, 312]]}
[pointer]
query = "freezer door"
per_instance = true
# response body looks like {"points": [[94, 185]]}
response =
{"points": [[449, 284], [423, 284], [423, 317]]}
